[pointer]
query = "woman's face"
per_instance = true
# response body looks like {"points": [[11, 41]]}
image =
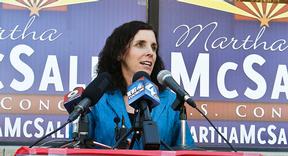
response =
{"points": [[140, 55]]}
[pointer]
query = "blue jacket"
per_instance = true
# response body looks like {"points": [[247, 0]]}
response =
{"points": [[111, 105]]}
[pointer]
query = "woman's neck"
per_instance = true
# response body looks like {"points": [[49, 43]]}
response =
{"points": [[129, 109], [127, 77]]}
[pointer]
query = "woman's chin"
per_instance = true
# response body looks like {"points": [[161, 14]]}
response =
{"points": [[148, 71]]}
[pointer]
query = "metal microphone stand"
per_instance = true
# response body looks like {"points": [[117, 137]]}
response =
{"points": [[178, 105]]}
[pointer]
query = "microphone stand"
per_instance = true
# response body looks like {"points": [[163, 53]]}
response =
{"points": [[191, 103], [81, 135], [143, 125], [81, 140], [178, 105]]}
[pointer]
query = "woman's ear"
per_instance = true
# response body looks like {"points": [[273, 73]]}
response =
{"points": [[119, 58]]}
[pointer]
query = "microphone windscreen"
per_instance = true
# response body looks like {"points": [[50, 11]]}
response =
{"points": [[95, 90], [162, 75], [142, 89], [140, 74]]}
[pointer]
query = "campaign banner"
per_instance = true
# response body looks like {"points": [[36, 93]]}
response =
{"points": [[231, 57], [47, 48], [26, 129], [31, 104], [223, 110], [240, 134]]}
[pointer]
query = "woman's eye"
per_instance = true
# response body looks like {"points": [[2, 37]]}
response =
{"points": [[143, 44], [140, 44], [154, 47]]}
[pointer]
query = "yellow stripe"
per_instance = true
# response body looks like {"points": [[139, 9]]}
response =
{"points": [[68, 2], [284, 15], [219, 5], [55, 4], [268, 8], [276, 9], [13, 3], [250, 6], [259, 5]]}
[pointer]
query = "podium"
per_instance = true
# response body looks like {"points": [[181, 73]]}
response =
{"points": [[25, 151]]}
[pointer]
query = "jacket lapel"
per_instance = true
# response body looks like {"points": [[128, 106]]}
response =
{"points": [[116, 101], [158, 110]]}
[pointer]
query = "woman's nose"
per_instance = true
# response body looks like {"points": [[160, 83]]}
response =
{"points": [[150, 51]]}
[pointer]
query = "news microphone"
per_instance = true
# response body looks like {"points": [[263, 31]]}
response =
{"points": [[143, 95], [142, 89], [72, 98], [93, 92], [164, 77]]}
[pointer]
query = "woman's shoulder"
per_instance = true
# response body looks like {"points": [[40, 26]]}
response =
{"points": [[111, 95], [107, 97], [167, 94]]}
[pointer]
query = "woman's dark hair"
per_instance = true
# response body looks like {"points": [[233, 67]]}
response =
{"points": [[115, 47]]}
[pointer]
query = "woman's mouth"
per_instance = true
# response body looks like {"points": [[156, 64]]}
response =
{"points": [[147, 63]]}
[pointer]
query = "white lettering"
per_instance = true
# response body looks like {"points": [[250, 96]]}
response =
{"points": [[221, 80], [254, 76], [12, 130], [51, 68], [21, 67], [73, 70], [25, 102], [1, 58], [2, 104], [200, 73], [281, 76], [238, 111]]}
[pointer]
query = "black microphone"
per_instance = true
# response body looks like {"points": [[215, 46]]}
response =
{"points": [[71, 99], [164, 77], [93, 92]]}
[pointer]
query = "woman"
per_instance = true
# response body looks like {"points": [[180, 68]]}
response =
{"points": [[132, 47]]}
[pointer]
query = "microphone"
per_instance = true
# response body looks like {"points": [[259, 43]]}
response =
{"points": [[72, 98], [143, 96], [93, 92], [142, 89], [164, 77]]}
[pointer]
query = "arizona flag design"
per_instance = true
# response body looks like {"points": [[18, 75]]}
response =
{"points": [[264, 12], [36, 5]]}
